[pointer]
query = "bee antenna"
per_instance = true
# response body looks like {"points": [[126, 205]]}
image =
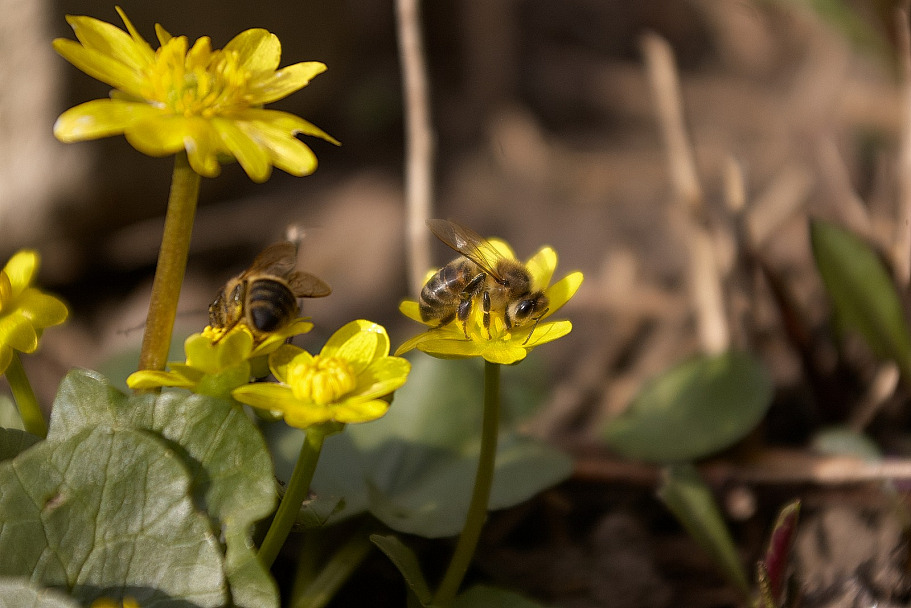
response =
{"points": [[535, 326]]}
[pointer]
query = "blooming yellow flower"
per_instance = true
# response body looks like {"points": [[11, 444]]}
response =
{"points": [[503, 345], [24, 310], [207, 102], [218, 362], [345, 382], [105, 602]]}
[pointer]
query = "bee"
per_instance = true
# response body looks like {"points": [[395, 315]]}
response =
{"points": [[504, 285], [265, 295]]}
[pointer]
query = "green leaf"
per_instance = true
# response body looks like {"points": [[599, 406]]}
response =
{"points": [[414, 468], [842, 441], [695, 408], [21, 593], [224, 451], [9, 414], [862, 292], [483, 596], [692, 503], [251, 583], [407, 562], [73, 515], [14, 441]]}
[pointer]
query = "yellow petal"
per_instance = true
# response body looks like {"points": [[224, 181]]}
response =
{"points": [[382, 377], [155, 379], [42, 309], [282, 121], [251, 154], [281, 83], [138, 40], [101, 66], [541, 266], [101, 118], [411, 309], [504, 354], [258, 50], [112, 41], [17, 332], [360, 412], [559, 293], [21, 269], [359, 343], [288, 153]]}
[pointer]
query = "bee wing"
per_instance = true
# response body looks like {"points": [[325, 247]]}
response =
{"points": [[305, 285], [278, 259], [467, 242]]}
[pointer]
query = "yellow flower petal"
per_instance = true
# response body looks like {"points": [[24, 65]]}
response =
{"points": [[560, 292], [21, 269], [18, 333], [360, 412], [128, 48], [258, 49], [541, 266], [100, 66], [359, 343], [41, 309], [382, 377], [251, 155], [155, 379], [284, 82], [101, 118]]}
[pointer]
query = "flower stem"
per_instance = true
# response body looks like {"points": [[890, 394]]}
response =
{"points": [[316, 590], [29, 410], [477, 509], [296, 492], [172, 262]]}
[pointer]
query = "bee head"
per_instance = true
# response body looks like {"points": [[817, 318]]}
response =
{"points": [[534, 306]]}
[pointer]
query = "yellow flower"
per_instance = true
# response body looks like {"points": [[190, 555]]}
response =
{"points": [[345, 382], [207, 102], [105, 602], [218, 362], [24, 310], [503, 345]]}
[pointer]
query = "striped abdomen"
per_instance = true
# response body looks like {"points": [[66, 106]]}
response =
{"points": [[270, 305]]}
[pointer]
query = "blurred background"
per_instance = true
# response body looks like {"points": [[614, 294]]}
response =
{"points": [[546, 133]]}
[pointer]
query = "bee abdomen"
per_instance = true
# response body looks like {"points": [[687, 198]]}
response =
{"points": [[270, 305]]}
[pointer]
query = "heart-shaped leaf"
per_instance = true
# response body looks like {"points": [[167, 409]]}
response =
{"points": [[862, 292], [108, 513], [414, 468], [692, 410], [13, 441], [22, 593], [224, 451]]}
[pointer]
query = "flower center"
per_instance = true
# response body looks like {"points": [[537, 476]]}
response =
{"points": [[321, 379], [6, 290], [198, 82]]}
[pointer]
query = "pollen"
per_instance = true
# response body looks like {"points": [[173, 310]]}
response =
{"points": [[197, 82], [322, 379]]}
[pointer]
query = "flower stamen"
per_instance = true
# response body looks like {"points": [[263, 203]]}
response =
{"points": [[322, 379]]}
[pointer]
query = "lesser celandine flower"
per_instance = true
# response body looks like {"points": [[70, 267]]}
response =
{"points": [[503, 345], [218, 361], [24, 310], [344, 383], [181, 97]]}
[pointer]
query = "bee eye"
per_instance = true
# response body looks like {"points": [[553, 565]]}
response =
{"points": [[525, 308]]}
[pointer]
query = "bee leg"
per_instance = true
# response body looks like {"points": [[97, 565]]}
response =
{"points": [[486, 302], [464, 312], [535, 326]]}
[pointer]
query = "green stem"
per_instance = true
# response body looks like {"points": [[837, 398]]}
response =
{"points": [[295, 493], [321, 588], [172, 263], [29, 410], [477, 509]]}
